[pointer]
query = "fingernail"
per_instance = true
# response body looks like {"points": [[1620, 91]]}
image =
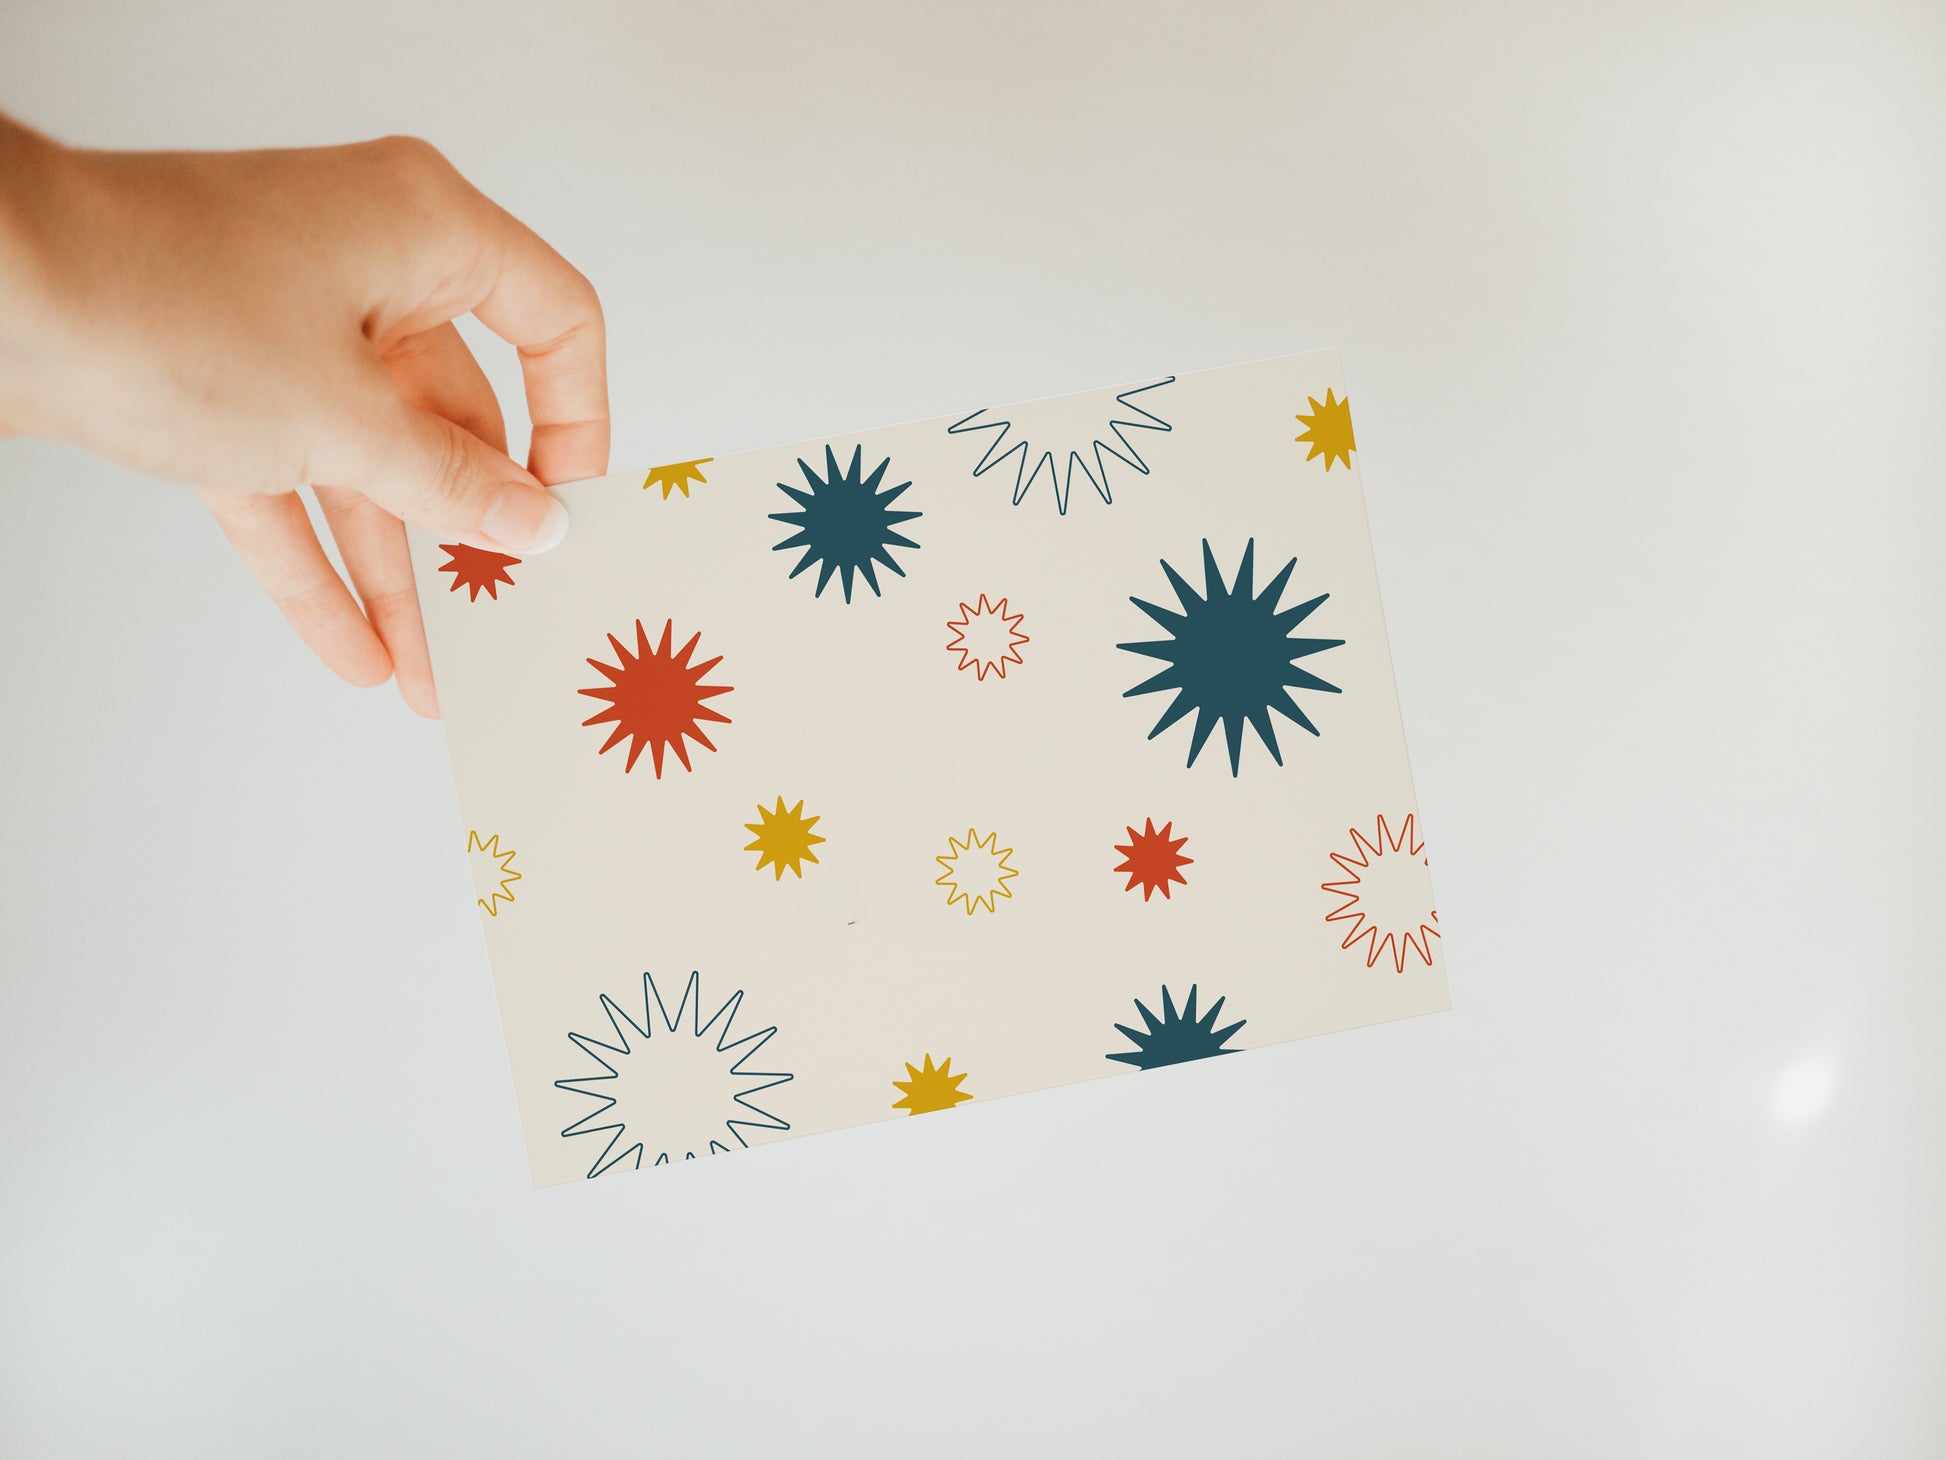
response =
{"points": [[525, 520]]}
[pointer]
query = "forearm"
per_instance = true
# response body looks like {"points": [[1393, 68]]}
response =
{"points": [[125, 285], [34, 185]]}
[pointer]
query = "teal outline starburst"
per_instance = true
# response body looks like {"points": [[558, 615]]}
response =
{"points": [[657, 1020], [1034, 459]]}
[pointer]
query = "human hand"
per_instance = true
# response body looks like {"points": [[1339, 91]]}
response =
{"points": [[247, 322]]}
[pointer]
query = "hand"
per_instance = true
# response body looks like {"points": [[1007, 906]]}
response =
{"points": [[248, 322]]}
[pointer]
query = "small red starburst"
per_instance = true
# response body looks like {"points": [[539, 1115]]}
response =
{"points": [[986, 637], [476, 568], [656, 697], [1153, 859]]}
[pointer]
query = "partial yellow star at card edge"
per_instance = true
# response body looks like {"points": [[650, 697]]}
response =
{"points": [[1328, 429], [955, 850], [491, 847], [930, 1089], [677, 474], [784, 838]]}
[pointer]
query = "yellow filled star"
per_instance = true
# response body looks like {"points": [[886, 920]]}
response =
{"points": [[930, 1089], [1329, 430], [784, 838], [678, 475], [493, 871], [976, 870]]}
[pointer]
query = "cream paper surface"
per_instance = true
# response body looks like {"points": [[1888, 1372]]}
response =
{"points": [[782, 1005]]}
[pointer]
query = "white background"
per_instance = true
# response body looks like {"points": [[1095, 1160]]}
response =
{"points": [[1642, 309]]}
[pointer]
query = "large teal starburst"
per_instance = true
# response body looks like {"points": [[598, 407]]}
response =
{"points": [[1230, 656], [1176, 1037], [844, 522]]}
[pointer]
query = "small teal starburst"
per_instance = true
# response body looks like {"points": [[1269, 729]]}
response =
{"points": [[844, 522], [1230, 656], [1175, 1037]]}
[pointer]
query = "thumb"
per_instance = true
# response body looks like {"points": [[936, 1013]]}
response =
{"points": [[425, 470]]}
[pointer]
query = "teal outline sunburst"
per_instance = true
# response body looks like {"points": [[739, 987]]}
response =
{"points": [[657, 1021], [1036, 458]]}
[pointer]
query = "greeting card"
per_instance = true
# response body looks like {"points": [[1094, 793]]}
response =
{"points": [[865, 777]]}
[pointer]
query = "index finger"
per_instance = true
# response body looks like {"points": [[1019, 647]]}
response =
{"points": [[548, 311]]}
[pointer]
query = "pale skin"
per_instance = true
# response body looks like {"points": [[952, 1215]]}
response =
{"points": [[247, 323]]}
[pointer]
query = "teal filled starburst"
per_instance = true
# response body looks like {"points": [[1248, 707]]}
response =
{"points": [[844, 522], [1231, 657], [1175, 1038]]}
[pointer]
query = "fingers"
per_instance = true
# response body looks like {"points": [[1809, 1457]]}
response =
{"points": [[437, 373], [372, 543], [542, 305], [471, 254], [422, 468], [273, 536]]}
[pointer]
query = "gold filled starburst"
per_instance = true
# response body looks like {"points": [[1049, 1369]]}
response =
{"points": [[1329, 432], [930, 1089], [677, 476], [784, 838]]}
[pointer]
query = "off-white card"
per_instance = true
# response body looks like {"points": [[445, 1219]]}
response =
{"points": [[858, 778]]}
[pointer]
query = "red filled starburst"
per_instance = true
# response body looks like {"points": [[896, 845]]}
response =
{"points": [[656, 698], [1386, 899], [1153, 859], [476, 568]]}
